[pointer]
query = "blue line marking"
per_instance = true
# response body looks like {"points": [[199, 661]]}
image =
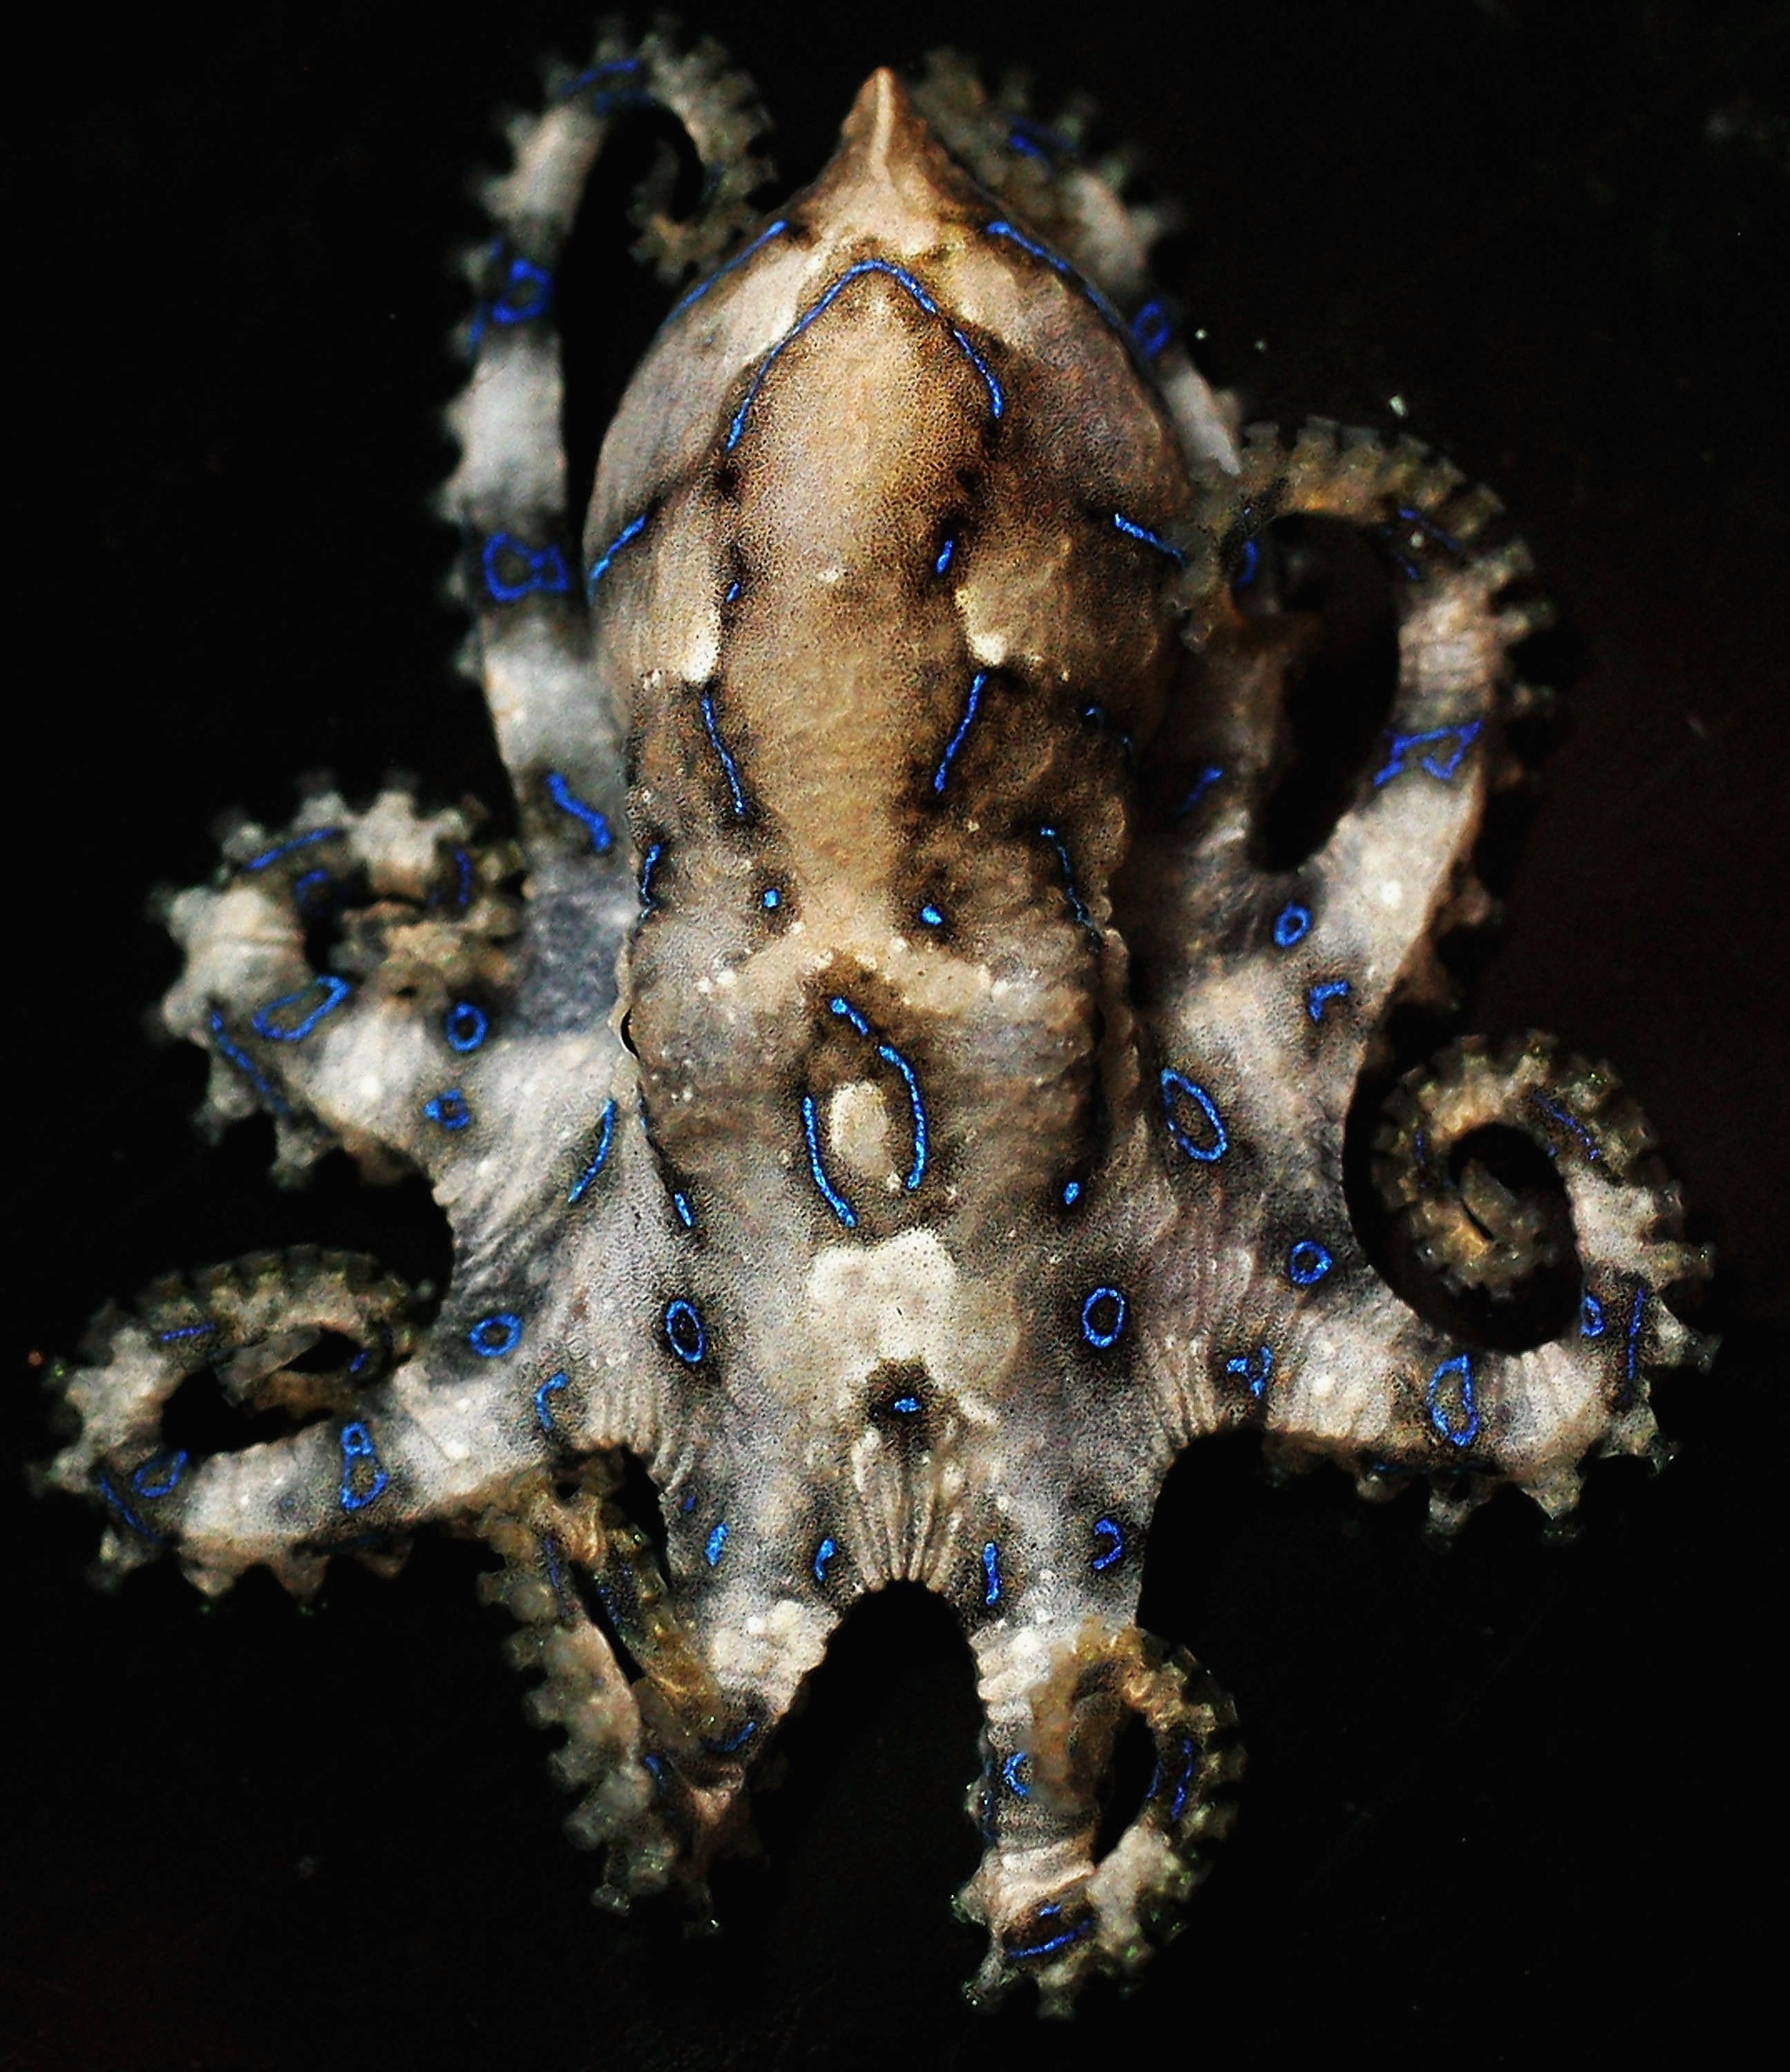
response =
{"points": [[465, 1027], [606, 1130], [770, 899], [1071, 1192], [830, 1195], [997, 402], [737, 1739], [720, 749], [1109, 1545], [600, 568], [955, 742], [1568, 1122], [448, 1108], [1591, 1317], [945, 552], [170, 1467], [555, 1575], [1133, 530], [931, 916], [823, 1554], [1441, 1415], [721, 273], [1257, 1368], [1020, 1952], [1202, 784], [494, 1336], [568, 802], [184, 1331], [122, 1510], [716, 1541], [1010, 1774], [1248, 562], [684, 1331], [1074, 898], [1175, 1082], [649, 864], [1632, 1345], [1292, 924], [1331, 988], [544, 567], [358, 1458], [1099, 1330], [334, 990], [906, 1406], [1184, 1782], [286, 848], [543, 1410], [846, 1012], [686, 1215], [463, 880], [916, 1170], [311, 882], [1441, 767], [1307, 1263], [1060, 265], [1151, 329], [991, 1573]]}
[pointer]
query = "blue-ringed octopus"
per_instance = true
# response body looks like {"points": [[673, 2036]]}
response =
{"points": [[894, 1091]]}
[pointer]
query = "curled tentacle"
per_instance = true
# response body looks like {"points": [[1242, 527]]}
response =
{"points": [[421, 923], [1057, 1699]]}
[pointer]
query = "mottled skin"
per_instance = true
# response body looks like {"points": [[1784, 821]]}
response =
{"points": [[937, 1122]]}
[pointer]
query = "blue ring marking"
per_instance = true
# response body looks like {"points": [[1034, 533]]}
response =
{"points": [[716, 1540], [1245, 1364], [284, 849], [505, 309], [770, 899], [607, 69], [1090, 1331], [543, 1410], [1568, 1122], [122, 1510], [1631, 1344], [649, 864], [991, 1573], [686, 1215], [720, 747], [830, 1195], [734, 1741], [1442, 767], [303, 887], [1464, 1434], [1151, 329], [606, 1131], [955, 742], [172, 1466], [563, 796], [1307, 1263], [823, 1554], [680, 1313], [945, 552], [997, 402], [1071, 1192], [1174, 1083], [1591, 1317], [1110, 1555], [448, 1108], [916, 1172], [931, 916], [1017, 1953], [184, 1331], [1202, 784], [496, 1335], [546, 566], [357, 1445], [1292, 924], [1132, 530], [740, 259], [1074, 898], [335, 991], [465, 1027], [1329, 989], [600, 568], [1010, 1774]]}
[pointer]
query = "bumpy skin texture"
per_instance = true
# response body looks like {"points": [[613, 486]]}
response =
{"points": [[885, 1095]]}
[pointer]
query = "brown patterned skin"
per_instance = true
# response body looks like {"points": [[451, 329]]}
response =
{"points": [[936, 1122]]}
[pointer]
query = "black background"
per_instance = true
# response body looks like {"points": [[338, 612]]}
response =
{"points": [[1505, 1802]]}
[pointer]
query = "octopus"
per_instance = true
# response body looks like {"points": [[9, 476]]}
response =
{"points": [[899, 1087]]}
